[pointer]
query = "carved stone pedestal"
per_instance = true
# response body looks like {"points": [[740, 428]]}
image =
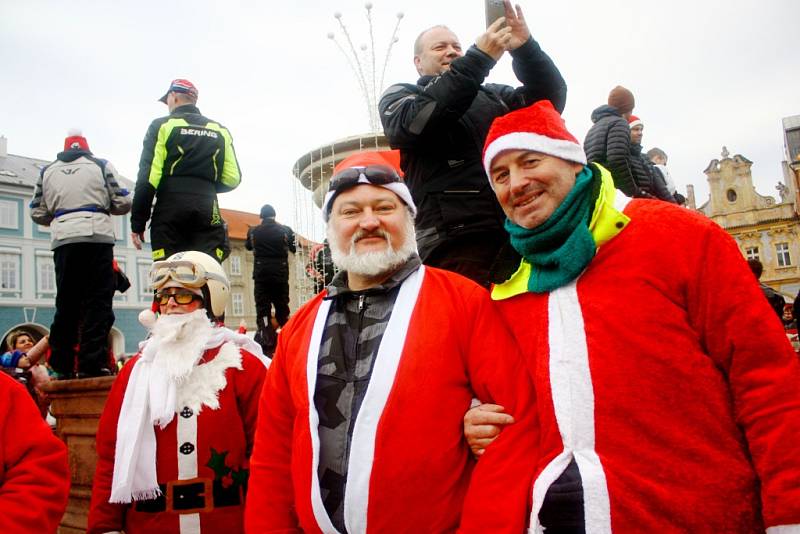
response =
{"points": [[77, 405]]}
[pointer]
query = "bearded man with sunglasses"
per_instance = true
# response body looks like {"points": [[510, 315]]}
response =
{"points": [[362, 409], [177, 431]]}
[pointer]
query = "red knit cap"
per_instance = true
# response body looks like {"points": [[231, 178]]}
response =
{"points": [[386, 158], [75, 141], [539, 128]]}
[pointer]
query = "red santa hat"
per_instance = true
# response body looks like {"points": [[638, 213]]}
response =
{"points": [[539, 128], [634, 121], [75, 141], [391, 180]]}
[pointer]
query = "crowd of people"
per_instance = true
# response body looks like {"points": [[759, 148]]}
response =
{"points": [[524, 333]]}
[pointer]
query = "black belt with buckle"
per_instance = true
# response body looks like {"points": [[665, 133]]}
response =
{"points": [[192, 496]]}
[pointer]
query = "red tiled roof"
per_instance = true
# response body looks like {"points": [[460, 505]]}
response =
{"points": [[239, 222]]}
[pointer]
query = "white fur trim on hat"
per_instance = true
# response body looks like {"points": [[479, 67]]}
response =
{"points": [[637, 122], [398, 188], [538, 143]]}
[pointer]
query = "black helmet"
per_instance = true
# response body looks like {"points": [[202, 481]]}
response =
{"points": [[267, 212]]}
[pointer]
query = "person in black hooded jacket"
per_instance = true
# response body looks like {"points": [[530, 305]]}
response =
{"points": [[608, 141], [649, 179], [440, 123]]}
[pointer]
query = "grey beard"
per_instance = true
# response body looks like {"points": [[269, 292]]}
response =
{"points": [[373, 263]]}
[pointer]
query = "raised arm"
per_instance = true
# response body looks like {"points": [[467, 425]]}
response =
{"points": [[541, 79], [410, 112]]}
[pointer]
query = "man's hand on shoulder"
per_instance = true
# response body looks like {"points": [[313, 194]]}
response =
{"points": [[496, 39], [483, 424], [519, 28]]}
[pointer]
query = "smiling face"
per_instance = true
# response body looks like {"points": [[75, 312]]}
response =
{"points": [[437, 48], [371, 233], [367, 218], [23, 343], [531, 185]]}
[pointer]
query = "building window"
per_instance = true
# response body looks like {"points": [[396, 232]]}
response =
{"points": [[782, 250], [45, 275], [9, 273], [143, 279], [119, 229], [9, 214], [731, 194], [752, 253], [237, 304], [793, 144], [236, 265]]}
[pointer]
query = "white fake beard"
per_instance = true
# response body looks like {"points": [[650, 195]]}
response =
{"points": [[181, 340], [373, 263]]}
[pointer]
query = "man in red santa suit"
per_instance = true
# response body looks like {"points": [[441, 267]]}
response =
{"points": [[360, 424], [34, 475], [177, 430], [667, 391]]}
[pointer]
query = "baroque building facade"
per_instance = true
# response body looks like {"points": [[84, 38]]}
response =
{"points": [[765, 229], [27, 272]]}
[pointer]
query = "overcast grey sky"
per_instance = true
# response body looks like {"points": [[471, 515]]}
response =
{"points": [[705, 73]]}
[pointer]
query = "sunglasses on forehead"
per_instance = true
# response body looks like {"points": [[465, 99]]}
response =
{"points": [[182, 297], [372, 174]]}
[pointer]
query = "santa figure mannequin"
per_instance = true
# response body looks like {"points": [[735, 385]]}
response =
{"points": [[176, 433]]}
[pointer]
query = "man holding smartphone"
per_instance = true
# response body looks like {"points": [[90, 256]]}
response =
{"points": [[439, 124]]}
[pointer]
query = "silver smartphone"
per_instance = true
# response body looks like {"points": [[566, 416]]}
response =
{"points": [[494, 10]]}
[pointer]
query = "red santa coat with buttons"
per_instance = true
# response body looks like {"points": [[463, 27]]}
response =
{"points": [[191, 446]]}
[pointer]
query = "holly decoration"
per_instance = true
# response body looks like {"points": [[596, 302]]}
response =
{"points": [[217, 464], [228, 477]]}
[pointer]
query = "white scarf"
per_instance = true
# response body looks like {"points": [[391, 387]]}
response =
{"points": [[168, 359]]}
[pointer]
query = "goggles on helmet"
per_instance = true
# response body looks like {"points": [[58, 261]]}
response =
{"points": [[186, 273]]}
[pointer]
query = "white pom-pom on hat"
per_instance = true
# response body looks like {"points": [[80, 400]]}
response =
{"points": [[147, 318]]}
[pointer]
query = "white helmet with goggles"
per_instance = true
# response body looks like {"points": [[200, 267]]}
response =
{"points": [[193, 269]]}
